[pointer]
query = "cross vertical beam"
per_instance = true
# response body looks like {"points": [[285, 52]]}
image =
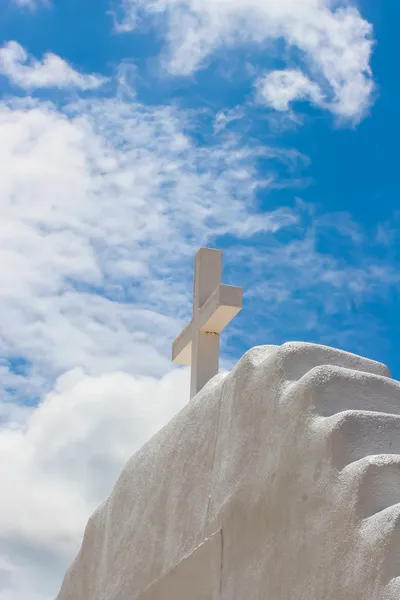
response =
{"points": [[205, 344], [214, 306]]}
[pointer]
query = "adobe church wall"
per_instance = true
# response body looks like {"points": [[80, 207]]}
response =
{"points": [[280, 480]]}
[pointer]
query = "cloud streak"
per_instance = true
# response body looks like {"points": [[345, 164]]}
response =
{"points": [[29, 73]]}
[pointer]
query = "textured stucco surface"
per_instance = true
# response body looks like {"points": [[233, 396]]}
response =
{"points": [[280, 481]]}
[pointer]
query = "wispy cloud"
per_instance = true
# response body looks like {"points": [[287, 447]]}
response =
{"points": [[31, 4], [294, 290], [333, 43], [29, 73]]}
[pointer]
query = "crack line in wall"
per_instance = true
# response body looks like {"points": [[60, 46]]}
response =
{"points": [[212, 478], [221, 564]]}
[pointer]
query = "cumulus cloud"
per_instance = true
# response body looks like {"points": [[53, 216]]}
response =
{"points": [[29, 73], [59, 461], [332, 40]]}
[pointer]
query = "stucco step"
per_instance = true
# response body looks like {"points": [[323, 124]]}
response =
{"points": [[291, 361], [295, 359], [328, 390], [373, 483], [382, 532], [355, 434]]}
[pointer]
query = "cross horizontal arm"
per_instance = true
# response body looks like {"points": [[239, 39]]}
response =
{"points": [[182, 346], [219, 310], [222, 306]]}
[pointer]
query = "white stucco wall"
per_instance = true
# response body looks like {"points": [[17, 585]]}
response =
{"points": [[280, 481]]}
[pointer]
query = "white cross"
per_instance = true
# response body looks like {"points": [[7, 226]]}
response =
{"points": [[214, 306]]}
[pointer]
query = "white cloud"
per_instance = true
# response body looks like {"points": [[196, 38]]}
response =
{"points": [[60, 461], [279, 89], [332, 40], [29, 73]]}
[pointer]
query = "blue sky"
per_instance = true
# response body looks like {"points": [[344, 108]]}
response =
{"points": [[347, 168], [131, 133]]}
